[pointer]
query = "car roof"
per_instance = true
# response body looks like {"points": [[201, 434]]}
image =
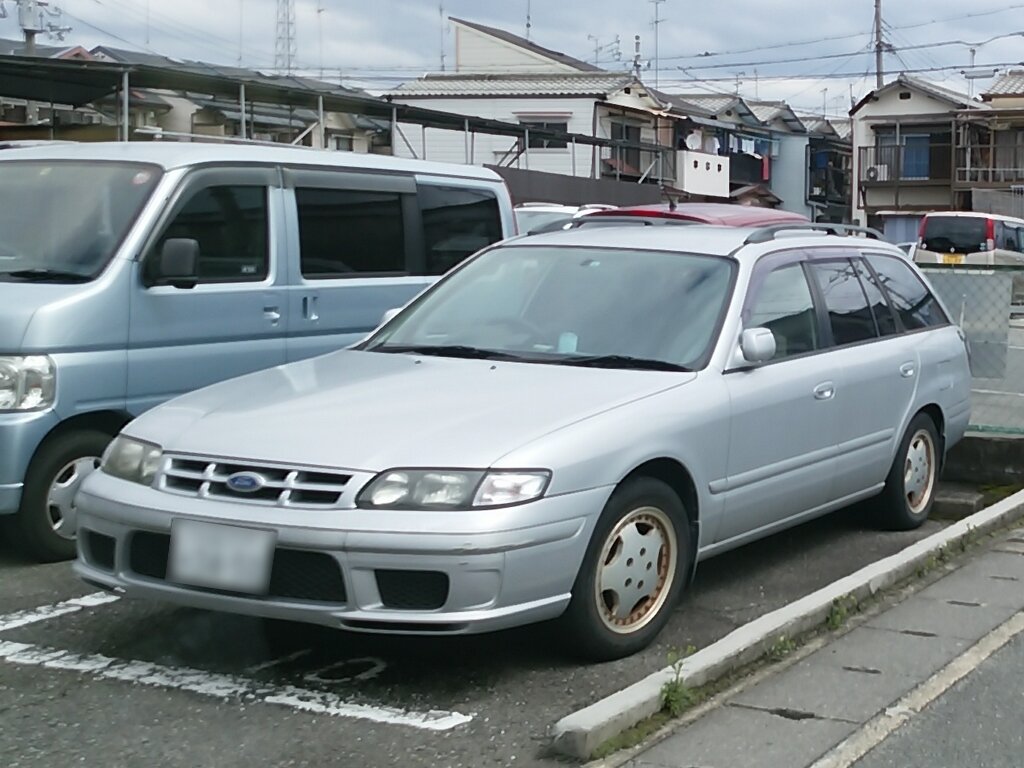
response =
{"points": [[971, 215], [699, 238], [713, 213], [178, 154]]}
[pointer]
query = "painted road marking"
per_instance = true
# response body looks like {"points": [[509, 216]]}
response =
{"points": [[47, 612], [880, 727], [214, 684]]}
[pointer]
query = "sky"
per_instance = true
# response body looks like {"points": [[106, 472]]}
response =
{"points": [[814, 55]]}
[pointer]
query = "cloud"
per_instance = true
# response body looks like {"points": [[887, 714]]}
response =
{"points": [[381, 43]]}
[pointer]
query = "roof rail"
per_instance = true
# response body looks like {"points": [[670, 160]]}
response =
{"points": [[767, 234], [576, 223]]}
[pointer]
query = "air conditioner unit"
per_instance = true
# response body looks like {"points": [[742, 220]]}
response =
{"points": [[876, 173]]}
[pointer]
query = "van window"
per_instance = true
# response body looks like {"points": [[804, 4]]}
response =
{"points": [[230, 225], [457, 222], [909, 296], [784, 306], [955, 234], [849, 312], [344, 232]]}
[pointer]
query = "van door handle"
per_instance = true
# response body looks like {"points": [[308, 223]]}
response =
{"points": [[825, 391], [907, 370], [273, 314], [309, 308]]}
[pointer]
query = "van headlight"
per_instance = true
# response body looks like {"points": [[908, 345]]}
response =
{"points": [[133, 460], [452, 489], [27, 382]]}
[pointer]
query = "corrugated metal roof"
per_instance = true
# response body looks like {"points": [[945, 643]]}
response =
{"points": [[714, 103], [681, 104], [583, 84], [1010, 84]]}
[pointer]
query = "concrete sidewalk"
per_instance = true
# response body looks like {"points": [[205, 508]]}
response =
{"points": [[829, 708]]}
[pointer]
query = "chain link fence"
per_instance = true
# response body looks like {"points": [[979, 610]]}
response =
{"points": [[988, 304]]}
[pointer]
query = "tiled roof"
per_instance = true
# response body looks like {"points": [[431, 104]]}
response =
{"points": [[455, 86], [682, 104], [1010, 84], [715, 103], [522, 42]]}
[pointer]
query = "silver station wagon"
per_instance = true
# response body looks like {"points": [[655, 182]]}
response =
{"points": [[560, 428]]}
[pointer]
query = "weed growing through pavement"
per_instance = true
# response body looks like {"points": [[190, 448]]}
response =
{"points": [[676, 696], [781, 648], [840, 611]]}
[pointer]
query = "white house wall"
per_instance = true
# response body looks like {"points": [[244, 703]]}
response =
{"points": [[450, 146]]}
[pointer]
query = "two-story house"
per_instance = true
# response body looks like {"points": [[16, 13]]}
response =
{"points": [[904, 153]]}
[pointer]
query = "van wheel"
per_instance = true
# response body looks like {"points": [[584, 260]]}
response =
{"points": [[909, 492], [632, 574], [47, 519]]}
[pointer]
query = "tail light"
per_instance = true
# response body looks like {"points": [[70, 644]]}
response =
{"points": [[920, 230], [990, 234]]}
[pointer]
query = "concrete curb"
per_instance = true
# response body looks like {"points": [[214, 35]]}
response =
{"points": [[579, 734]]}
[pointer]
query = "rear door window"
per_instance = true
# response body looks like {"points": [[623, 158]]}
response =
{"points": [[955, 234], [914, 304], [457, 222], [849, 312]]}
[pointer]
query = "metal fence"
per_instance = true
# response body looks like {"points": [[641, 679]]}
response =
{"points": [[988, 304]]}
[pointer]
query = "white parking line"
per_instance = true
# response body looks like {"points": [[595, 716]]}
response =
{"points": [[224, 686], [47, 612]]}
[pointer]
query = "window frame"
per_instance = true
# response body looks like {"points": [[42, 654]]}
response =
{"points": [[195, 181], [903, 330], [349, 180], [819, 294]]}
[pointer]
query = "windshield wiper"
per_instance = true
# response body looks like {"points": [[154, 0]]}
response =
{"points": [[451, 350], [45, 275], [621, 361]]}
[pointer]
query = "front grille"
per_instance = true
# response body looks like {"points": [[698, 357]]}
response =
{"points": [[412, 590], [273, 486], [295, 575], [99, 550]]}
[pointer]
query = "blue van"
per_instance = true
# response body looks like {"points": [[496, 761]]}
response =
{"points": [[131, 273]]}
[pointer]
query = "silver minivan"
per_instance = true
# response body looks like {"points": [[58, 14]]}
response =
{"points": [[561, 428], [132, 273]]}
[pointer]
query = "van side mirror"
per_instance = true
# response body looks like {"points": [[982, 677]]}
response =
{"points": [[757, 345], [179, 263]]}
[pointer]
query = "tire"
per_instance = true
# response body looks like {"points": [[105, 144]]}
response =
{"points": [[906, 501], [43, 530], [596, 625]]}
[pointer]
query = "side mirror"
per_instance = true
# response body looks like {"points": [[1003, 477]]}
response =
{"points": [[179, 263], [389, 315], [757, 345]]}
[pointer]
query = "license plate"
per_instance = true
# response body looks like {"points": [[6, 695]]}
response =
{"points": [[221, 556], [952, 258]]}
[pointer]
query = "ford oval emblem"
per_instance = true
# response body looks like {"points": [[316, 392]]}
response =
{"points": [[246, 482]]}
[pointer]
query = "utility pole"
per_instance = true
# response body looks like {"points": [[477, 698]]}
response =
{"points": [[657, 23], [636, 56], [440, 9], [31, 19], [320, 33], [879, 45], [529, 21], [285, 49]]}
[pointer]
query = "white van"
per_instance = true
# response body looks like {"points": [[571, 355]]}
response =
{"points": [[964, 237]]}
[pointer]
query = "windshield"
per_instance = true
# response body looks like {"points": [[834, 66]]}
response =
{"points": [[955, 234], [571, 305], [63, 221]]}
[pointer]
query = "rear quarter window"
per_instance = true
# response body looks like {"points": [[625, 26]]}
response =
{"points": [[908, 295]]}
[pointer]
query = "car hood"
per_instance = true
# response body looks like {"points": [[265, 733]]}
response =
{"points": [[373, 411], [19, 302]]}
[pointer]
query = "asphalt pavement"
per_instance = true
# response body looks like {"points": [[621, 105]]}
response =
{"points": [[123, 683], [931, 681]]}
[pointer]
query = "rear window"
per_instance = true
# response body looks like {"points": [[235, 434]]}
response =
{"points": [[955, 234]]}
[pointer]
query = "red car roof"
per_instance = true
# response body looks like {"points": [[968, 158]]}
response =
{"points": [[711, 213]]}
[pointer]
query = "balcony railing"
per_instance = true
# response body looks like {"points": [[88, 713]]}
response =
{"points": [[650, 163], [982, 165], [748, 169], [829, 185], [909, 164]]}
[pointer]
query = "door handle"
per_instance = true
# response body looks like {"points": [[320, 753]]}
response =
{"points": [[825, 391], [907, 370], [309, 308], [273, 314]]}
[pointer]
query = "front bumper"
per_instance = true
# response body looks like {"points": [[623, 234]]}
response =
{"points": [[448, 573], [20, 436]]}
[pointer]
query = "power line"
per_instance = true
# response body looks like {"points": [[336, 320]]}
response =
{"points": [[854, 75]]}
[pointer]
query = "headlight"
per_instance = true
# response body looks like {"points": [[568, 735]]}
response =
{"points": [[133, 460], [27, 383], [451, 489]]}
